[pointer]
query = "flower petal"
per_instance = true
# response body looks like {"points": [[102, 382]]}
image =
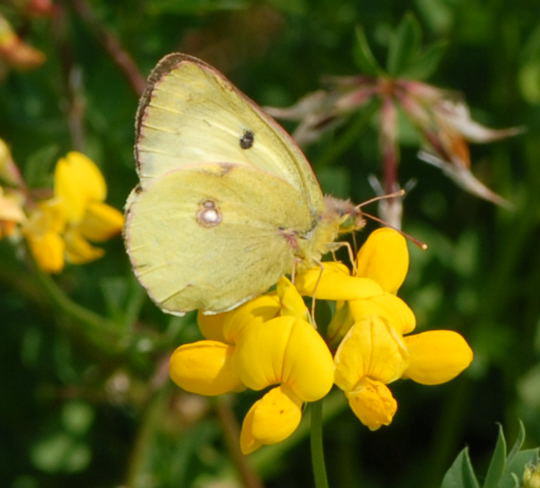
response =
{"points": [[9, 173], [463, 177], [437, 356], [48, 251], [270, 420], [228, 326], [457, 114], [370, 348], [10, 208], [101, 222], [205, 367], [79, 250], [289, 351], [384, 258], [291, 301], [77, 182], [372, 402], [211, 326], [333, 282], [391, 307]]}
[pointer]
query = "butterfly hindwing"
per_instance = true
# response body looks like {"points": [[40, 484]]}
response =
{"points": [[204, 237]]}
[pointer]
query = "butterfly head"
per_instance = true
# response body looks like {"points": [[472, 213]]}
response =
{"points": [[344, 213]]}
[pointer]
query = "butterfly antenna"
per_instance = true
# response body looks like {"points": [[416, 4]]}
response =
{"points": [[395, 194], [414, 240]]}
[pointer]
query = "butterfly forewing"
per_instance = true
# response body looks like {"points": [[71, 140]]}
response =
{"points": [[191, 113]]}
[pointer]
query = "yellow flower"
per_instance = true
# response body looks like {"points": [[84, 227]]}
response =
{"points": [[285, 351], [384, 258], [9, 173], [381, 267], [269, 342], [270, 420], [59, 229], [373, 354], [208, 367], [265, 342], [11, 212], [369, 325]]}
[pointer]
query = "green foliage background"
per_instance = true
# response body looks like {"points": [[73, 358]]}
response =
{"points": [[71, 415]]}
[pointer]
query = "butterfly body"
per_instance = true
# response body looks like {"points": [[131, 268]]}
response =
{"points": [[227, 203]]}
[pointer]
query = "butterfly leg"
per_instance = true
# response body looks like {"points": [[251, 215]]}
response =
{"points": [[313, 299], [350, 253]]}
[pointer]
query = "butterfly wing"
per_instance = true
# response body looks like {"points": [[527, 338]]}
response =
{"points": [[205, 237], [190, 112]]}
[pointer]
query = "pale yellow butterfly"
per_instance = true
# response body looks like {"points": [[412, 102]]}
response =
{"points": [[227, 202]]}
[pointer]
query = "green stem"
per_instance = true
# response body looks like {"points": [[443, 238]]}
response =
{"points": [[150, 419], [103, 332], [317, 449]]}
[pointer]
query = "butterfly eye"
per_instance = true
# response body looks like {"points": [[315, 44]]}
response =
{"points": [[247, 139], [208, 214]]}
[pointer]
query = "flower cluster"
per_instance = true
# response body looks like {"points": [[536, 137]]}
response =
{"points": [[271, 341], [58, 229]]}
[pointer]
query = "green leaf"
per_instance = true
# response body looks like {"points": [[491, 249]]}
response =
{"points": [[461, 473], [497, 464], [404, 46], [427, 62], [363, 56], [517, 444]]}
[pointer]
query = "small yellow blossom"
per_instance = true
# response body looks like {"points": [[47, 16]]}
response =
{"points": [[271, 419], [436, 356], [265, 342], [369, 325], [381, 267], [270, 344], [9, 173], [59, 229], [373, 354], [11, 212], [205, 367]]}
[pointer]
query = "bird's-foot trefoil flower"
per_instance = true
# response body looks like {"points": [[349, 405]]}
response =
{"points": [[59, 229], [265, 343], [369, 332], [271, 344]]}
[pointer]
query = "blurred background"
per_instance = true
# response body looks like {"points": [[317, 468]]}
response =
{"points": [[84, 409]]}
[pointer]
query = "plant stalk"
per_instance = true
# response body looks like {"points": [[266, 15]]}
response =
{"points": [[317, 448]]}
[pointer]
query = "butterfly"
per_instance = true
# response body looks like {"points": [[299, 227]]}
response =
{"points": [[227, 202]]}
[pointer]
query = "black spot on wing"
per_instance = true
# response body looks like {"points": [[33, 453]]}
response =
{"points": [[247, 139]]}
